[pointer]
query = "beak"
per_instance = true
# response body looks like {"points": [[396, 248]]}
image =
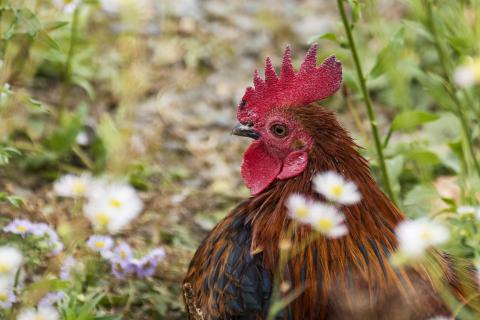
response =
{"points": [[244, 130]]}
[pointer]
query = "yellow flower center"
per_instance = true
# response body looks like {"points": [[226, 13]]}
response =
{"points": [[21, 228], [39, 317], [474, 65], [123, 255], [426, 235], [79, 188], [5, 267], [301, 212], [115, 203], [102, 219], [324, 224], [3, 296], [100, 244], [336, 190]]}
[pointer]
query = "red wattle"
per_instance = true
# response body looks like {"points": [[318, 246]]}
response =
{"points": [[259, 168]]}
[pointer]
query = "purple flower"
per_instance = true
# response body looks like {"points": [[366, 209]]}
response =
{"points": [[101, 244], [66, 268], [157, 254], [44, 230], [124, 264], [121, 270], [51, 298], [146, 266], [122, 254], [121, 259], [19, 226]]}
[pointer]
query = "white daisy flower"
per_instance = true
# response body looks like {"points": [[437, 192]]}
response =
{"points": [[11, 259], [7, 297], [466, 210], [72, 186], [101, 244], [41, 313], [113, 206], [335, 188], [19, 226], [464, 77], [416, 236], [327, 220], [467, 74], [298, 207]]}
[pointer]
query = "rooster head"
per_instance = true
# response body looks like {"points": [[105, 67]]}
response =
{"points": [[281, 146]]}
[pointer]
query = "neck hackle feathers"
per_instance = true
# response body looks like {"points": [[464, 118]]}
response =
{"points": [[309, 84]]}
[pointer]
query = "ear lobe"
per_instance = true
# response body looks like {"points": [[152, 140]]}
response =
{"points": [[294, 164]]}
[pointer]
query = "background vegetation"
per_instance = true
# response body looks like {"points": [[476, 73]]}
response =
{"points": [[144, 92]]}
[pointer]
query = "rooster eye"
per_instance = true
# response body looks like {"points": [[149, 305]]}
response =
{"points": [[279, 130]]}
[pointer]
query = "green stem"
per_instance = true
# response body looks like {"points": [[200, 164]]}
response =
{"points": [[368, 101], [444, 63], [276, 301], [68, 62]]}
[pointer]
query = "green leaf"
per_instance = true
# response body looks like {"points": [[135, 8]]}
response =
{"points": [[87, 311], [63, 138], [37, 105], [411, 119], [326, 36], [356, 10], [6, 153], [44, 38], [418, 29], [450, 202], [388, 54], [419, 200], [437, 88], [13, 200], [85, 85], [28, 22], [7, 35], [395, 168], [423, 157], [446, 129], [351, 80], [50, 26]]}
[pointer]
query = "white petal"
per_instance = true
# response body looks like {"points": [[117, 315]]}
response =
{"points": [[338, 231]]}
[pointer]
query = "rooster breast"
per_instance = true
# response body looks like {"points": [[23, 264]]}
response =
{"points": [[226, 280]]}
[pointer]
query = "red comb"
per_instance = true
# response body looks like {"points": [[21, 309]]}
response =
{"points": [[289, 89]]}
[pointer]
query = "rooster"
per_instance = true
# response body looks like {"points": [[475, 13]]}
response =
{"points": [[231, 276]]}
